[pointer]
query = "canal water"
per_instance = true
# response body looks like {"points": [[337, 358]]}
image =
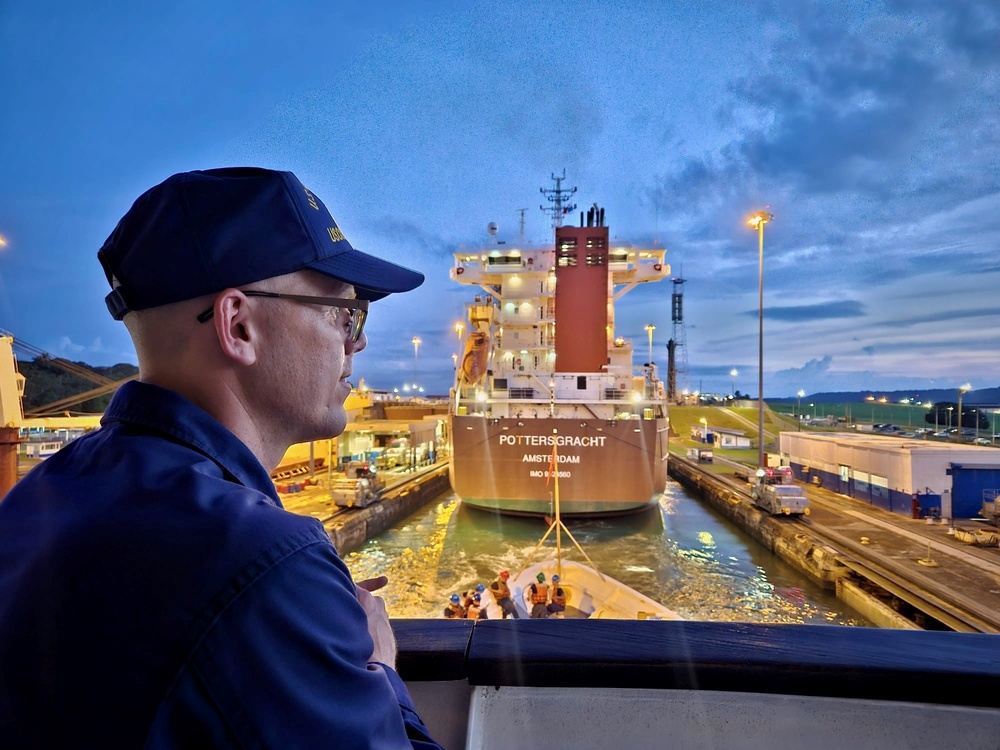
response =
{"points": [[679, 553]]}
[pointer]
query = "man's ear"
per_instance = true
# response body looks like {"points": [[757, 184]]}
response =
{"points": [[234, 327]]}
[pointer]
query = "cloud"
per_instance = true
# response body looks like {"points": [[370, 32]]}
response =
{"points": [[819, 311], [67, 348]]}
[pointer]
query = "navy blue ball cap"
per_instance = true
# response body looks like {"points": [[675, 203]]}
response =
{"points": [[197, 233]]}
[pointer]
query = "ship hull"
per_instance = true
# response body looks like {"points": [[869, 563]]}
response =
{"points": [[606, 467]]}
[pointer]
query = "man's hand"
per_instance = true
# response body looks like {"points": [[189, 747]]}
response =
{"points": [[378, 621]]}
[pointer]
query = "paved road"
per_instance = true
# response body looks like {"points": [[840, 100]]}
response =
{"points": [[924, 554]]}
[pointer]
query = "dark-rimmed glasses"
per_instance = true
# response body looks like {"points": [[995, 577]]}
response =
{"points": [[358, 307]]}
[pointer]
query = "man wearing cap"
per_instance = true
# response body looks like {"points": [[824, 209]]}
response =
{"points": [[501, 595], [539, 597], [558, 604], [153, 591]]}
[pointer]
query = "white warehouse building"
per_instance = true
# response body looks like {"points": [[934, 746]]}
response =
{"points": [[912, 477]]}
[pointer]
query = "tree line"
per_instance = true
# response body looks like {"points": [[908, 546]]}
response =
{"points": [[45, 383]]}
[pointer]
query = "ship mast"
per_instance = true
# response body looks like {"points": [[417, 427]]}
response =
{"points": [[521, 234], [559, 197]]}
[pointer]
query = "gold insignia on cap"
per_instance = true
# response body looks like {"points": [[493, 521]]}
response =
{"points": [[312, 199], [335, 234]]}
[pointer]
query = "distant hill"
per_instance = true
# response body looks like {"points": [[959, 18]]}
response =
{"points": [[45, 383], [990, 396]]}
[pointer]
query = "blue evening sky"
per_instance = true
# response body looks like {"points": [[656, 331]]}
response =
{"points": [[870, 129]]}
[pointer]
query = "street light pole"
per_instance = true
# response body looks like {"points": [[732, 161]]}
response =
{"points": [[649, 329], [733, 373], [961, 389], [416, 348], [798, 416], [757, 221]]}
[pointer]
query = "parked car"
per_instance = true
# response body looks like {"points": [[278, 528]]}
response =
{"points": [[984, 441]]}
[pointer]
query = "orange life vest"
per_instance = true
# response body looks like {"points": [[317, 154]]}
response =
{"points": [[539, 593], [500, 590]]}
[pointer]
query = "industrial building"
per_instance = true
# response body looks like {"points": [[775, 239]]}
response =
{"points": [[907, 476]]}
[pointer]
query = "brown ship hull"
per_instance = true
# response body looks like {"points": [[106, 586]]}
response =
{"points": [[605, 467]]}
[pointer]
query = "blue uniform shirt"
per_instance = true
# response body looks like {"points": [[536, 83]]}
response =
{"points": [[154, 593]]}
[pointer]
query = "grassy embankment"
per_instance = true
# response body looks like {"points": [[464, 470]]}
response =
{"points": [[683, 418]]}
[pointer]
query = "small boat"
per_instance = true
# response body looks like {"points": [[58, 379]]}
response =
{"points": [[589, 593]]}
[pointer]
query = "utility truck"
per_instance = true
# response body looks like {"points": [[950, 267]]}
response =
{"points": [[775, 491]]}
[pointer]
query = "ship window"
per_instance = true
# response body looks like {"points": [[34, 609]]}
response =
{"points": [[597, 242], [567, 245], [595, 259], [567, 261], [581, 382]]}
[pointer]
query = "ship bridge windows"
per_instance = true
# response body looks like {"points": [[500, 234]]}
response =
{"points": [[505, 260]]}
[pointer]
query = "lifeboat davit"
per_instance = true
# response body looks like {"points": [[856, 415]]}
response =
{"points": [[475, 358]]}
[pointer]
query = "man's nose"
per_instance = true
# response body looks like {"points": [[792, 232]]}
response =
{"points": [[361, 343]]}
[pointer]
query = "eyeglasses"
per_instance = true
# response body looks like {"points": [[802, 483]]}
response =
{"points": [[358, 307]]}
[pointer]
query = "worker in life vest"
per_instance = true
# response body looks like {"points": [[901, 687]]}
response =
{"points": [[539, 597], [467, 596], [501, 595], [558, 604], [454, 610], [475, 609]]}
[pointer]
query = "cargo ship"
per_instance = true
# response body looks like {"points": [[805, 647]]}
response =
{"points": [[543, 362]]}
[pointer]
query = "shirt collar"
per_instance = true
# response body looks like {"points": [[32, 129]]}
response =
{"points": [[171, 414]]}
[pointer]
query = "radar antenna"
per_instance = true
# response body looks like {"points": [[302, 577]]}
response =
{"points": [[560, 198]]}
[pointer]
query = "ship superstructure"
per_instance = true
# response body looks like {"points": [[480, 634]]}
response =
{"points": [[544, 362]]}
